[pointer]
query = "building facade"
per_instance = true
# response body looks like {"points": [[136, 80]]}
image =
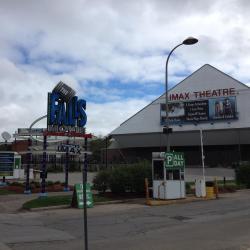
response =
{"points": [[208, 103]]}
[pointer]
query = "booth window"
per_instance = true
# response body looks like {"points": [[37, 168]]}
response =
{"points": [[158, 170], [174, 175], [177, 175]]}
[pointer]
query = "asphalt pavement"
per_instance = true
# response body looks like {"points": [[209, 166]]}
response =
{"points": [[208, 225]]}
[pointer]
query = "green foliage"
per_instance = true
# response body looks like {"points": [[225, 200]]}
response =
{"points": [[35, 184], [6, 192], [101, 181], [96, 146], [138, 173], [124, 179], [209, 184], [48, 201], [119, 180], [49, 183], [243, 175], [57, 201], [17, 184], [188, 186]]}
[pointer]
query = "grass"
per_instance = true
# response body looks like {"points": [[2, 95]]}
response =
{"points": [[48, 201], [57, 201], [6, 192]]}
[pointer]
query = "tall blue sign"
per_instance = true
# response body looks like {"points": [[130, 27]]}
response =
{"points": [[66, 116]]}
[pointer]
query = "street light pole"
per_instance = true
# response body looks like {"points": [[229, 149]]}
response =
{"points": [[166, 129]]}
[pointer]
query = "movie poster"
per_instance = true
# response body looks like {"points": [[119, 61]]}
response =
{"points": [[222, 108]]}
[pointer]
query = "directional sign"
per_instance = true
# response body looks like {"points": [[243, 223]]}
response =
{"points": [[174, 160], [77, 200]]}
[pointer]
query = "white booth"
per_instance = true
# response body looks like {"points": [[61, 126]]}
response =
{"points": [[168, 179]]}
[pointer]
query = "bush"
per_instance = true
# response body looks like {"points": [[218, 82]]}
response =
{"points": [[120, 180], [17, 184], [124, 179], [138, 174], [209, 184], [49, 183], [243, 175], [102, 180], [188, 187]]}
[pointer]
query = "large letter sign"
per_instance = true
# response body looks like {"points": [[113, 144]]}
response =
{"points": [[66, 116]]}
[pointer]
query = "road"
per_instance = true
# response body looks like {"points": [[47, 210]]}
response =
{"points": [[207, 225]]}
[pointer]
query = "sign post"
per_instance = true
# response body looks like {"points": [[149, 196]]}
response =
{"points": [[43, 173], [66, 186], [85, 166], [27, 182]]}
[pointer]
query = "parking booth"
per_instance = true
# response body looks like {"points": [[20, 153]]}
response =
{"points": [[168, 175]]}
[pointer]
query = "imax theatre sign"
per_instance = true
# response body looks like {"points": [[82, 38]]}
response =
{"points": [[66, 113]]}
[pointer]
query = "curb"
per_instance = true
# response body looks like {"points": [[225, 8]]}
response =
{"points": [[171, 202], [47, 208], [115, 201]]}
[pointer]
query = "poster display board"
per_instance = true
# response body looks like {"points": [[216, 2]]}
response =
{"points": [[213, 109]]}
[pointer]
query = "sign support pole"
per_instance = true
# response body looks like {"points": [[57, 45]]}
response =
{"points": [[84, 176], [44, 166], [27, 182], [66, 186]]}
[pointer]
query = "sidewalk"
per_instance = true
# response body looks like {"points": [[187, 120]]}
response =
{"points": [[12, 203]]}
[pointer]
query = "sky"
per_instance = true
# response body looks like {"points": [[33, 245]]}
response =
{"points": [[112, 52]]}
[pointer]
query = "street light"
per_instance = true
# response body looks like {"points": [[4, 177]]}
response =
{"points": [[166, 129]]}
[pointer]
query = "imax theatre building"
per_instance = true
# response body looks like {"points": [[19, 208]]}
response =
{"points": [[208, 103]]}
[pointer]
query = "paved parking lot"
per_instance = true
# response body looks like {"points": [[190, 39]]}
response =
{"points": [[215, 224]]}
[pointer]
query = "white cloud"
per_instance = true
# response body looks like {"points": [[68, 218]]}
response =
{"points": [[88, 43], [103, 118]]}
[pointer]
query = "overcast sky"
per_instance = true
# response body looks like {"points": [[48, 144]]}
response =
{"points": [[112, 52]]}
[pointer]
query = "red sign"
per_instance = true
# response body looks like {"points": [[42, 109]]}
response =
{"points": [[69, 134]]}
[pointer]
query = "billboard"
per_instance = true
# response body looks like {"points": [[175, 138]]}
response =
{"points": [[214, 109], [6, 164]]}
